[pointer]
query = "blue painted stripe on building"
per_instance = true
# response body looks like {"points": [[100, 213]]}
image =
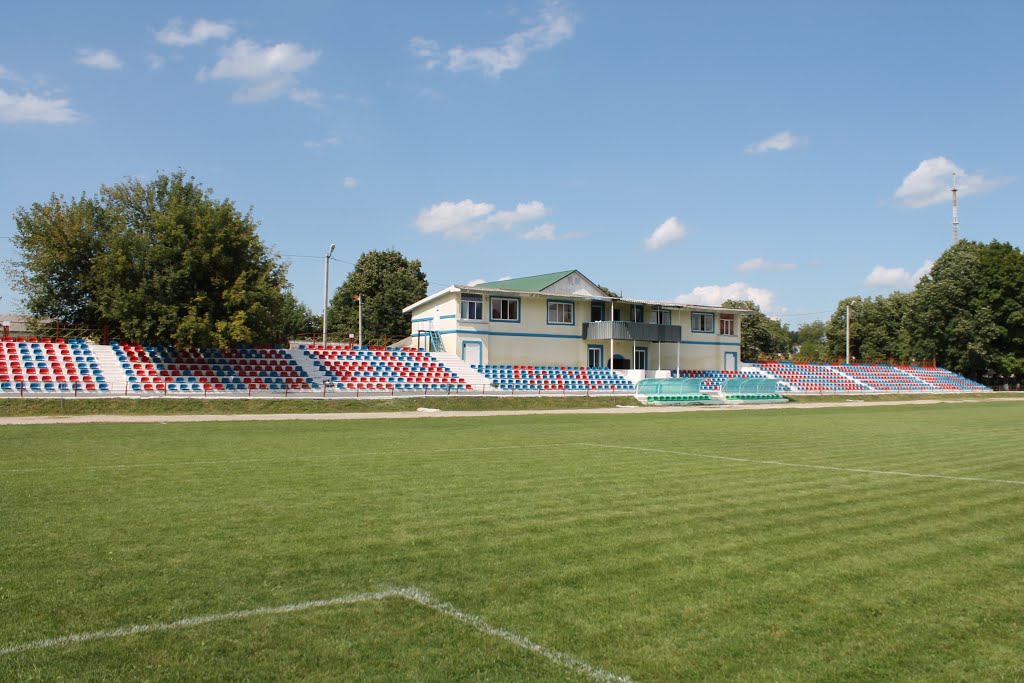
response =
{"points": [[443, 317], [711, 343], [422, 320], [513, 334], [573, 336]]}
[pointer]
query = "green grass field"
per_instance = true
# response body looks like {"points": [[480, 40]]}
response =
{"points": [[875, 543]]}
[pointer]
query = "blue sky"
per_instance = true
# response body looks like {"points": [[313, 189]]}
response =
{"points": [[790, 152]]}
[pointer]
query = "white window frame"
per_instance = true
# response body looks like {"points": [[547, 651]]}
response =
{"points": [[559, 308], [468, 302], [506, 305], [663, 317], [699, 322], [727, 320]]}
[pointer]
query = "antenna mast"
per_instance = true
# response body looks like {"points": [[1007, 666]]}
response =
{"points": [[956, 215]]}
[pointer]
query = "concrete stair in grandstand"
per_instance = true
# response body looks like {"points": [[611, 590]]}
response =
{"points": [[117, 380], [462, 369], [314, 371]]}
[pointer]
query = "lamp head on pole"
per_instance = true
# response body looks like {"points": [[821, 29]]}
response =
{"points": [[331, 251]]}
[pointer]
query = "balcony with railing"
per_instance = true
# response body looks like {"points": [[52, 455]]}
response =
{"points": [[620, 330]]}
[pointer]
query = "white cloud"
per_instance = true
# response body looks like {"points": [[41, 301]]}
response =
{"points": [[329, 141], [779, 142], [155, 62], [665, 234], [99, 59], [469, 220], [759, 263], [309, 96], [201, 31], [931, 182], [426, 50], [895, 278], [455, 220], [7, 73], [529, 211], [350, 182], [543, 232], [29, 108], [269, 72], [555, 24], [714, 295], [474, 283]]}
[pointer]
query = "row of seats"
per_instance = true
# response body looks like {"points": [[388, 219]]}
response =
{"points": [[382, 368], [163, 368], [553, 378], [45, 364], [815, 377]]}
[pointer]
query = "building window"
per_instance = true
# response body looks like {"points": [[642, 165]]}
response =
{"points": [[727, 324], [504, 309], [595, 356], [636, 313], [616, 313], [596, 311], [702, 322], [472, 307], [561, 313], [663, 317]]}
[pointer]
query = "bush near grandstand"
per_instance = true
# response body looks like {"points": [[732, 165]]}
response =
{"points": [[158, 262]]}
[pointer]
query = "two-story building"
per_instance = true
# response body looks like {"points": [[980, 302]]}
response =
{"points": [[565, 319]]}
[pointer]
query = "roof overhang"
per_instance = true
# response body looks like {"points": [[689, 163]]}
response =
{"points": [[472, 289]]}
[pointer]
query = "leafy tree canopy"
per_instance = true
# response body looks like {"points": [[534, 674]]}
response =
{"points": [[387, 282], [761, 336], [877, 328], [969, 311], [811, 341], [158, 262]]}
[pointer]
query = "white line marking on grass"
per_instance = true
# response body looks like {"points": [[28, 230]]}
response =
{"points": [[273, 458], [559, 658], [407, 593], [855, 470], [123, 631]]}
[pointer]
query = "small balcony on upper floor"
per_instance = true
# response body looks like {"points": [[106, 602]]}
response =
{"points": [[620, 330]]}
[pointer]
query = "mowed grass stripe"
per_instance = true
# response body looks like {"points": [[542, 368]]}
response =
{"points": [[654, 566]]}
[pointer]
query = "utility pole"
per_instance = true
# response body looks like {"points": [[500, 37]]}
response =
{"points": [[847, 334], [359, 298], [327, 271]]}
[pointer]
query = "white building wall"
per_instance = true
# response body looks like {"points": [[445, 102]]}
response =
{"points": [[532, 340]]}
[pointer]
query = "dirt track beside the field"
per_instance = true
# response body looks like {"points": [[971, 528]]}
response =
{"points": [[425, 414]]}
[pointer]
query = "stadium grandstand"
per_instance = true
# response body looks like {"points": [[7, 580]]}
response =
{"points": [[544, 334]]}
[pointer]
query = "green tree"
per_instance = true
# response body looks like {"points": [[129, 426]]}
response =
{"points": [[297, 319], [968, 313], [387, 282], [57, 241], [158, 262], [811, 341], [761, 336], [878, 330]]}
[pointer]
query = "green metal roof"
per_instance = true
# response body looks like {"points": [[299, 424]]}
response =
{"points": [[533, 283]]}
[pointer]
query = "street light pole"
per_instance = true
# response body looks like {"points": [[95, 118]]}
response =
{"points": [[847, 334], [359, 298], [327, 271]]}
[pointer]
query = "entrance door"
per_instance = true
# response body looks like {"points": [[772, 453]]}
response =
{"points": [[640, 359], [595, 356], [730, 360], [472, 352]]}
